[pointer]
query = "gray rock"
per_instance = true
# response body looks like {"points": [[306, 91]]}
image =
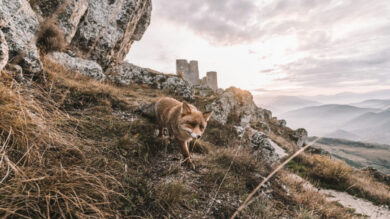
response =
{"points": [[20, 25], [301, 136], [127, 74], [3, 51], [16, 71], [240, 131], [281, 123], [109, 28], [234, 101], [69, 14], [262, 146], [82, 66]]}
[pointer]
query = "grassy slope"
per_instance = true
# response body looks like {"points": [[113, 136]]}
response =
{"points": [[73, 147]]}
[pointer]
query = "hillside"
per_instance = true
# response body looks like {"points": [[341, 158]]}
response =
{"points": [[358, 154], [75, 143], [324, 119]]}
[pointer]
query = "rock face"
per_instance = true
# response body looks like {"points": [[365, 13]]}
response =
{"points": [[261, 145], [20, 25], [235, 104], [84, 67], [99, 30], [69, 14], [301, 136], [3, 51], [127, 74], [109, 27]]}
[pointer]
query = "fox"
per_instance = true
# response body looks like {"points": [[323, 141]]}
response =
{"points": [[183, 121]]}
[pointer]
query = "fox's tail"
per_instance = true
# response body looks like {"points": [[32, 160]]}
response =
{"points": [[148, 110]]}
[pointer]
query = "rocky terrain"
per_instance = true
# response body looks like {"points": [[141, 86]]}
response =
{"points": [[74, 143]]}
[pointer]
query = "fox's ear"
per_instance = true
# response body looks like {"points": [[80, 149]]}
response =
{"points": [[207, 115], [185, 108]]}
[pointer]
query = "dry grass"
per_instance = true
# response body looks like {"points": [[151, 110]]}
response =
{"points": [[338, 175], [311, 203], [74, 147], [50, 38], [43, 171]]}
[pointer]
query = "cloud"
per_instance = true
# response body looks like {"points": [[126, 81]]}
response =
{"points": [[335, 72], [283, 44], [222, 22]]}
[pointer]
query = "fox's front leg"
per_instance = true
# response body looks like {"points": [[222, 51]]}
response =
{"points": [[186, 154]]}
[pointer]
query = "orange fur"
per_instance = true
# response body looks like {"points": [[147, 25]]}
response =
{"points": [[183, 121]]}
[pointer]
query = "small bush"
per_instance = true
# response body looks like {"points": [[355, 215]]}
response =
{"points": [[50, 38]]}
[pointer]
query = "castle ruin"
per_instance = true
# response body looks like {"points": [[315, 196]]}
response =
{"points": [[190, 72]]}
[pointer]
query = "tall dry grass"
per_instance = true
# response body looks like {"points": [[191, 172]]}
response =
{"points": [[43, 167], [338, 175]]}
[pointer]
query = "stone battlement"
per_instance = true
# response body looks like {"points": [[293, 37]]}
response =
{"points": [[190, 72]]}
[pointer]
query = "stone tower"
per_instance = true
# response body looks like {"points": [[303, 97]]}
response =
{"points": [[212, 80], [181, 67], [189, 71]]}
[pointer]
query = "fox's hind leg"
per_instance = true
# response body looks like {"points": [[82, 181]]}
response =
{"points": [[186, 154]]}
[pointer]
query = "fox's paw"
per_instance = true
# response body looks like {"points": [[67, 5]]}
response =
{"points": [[188, 163]]}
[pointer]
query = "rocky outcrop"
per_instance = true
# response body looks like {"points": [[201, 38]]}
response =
{"points": [[237, 106], [20, 26], [3, 51], [301, 136], [127, 74], [99, 30], [85, 67], [262, 147], [109, 28], [68, 14], [281, 123]]}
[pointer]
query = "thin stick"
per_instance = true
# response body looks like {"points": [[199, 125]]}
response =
{"points": [[246, 202]]}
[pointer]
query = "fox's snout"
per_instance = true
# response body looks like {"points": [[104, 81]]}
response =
{"points": [[192, 133]]}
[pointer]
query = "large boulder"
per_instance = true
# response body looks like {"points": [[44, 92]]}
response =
{"points": [[109, 27], [301, 136], [85, 67], [126, 74], [3, 51], [68, 14], [262, 146], [235, 106], [20, 26]]}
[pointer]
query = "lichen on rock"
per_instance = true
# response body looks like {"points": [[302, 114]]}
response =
{"points": [[127, 74], [20, 26], [85, 67], [3, 51], [109, 28]]}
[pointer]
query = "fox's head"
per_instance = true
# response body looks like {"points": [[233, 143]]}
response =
{"points": [[192, 122]]}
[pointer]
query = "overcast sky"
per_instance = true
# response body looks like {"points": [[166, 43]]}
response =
{"points": [[274, 46]]}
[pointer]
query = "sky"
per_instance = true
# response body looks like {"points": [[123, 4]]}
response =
{"points": [[273, 47]]}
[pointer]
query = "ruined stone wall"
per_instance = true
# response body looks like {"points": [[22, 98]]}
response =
{"points": [[212, 80], [189, 71]]}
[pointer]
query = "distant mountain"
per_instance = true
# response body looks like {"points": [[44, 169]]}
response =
{"points": [[342, 134], [371, 126], [357, 154], [282, 104], [373, 103], [325, 119], [348, 97]]}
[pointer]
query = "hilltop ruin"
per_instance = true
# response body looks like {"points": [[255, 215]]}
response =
{"points": [[190, 72]]}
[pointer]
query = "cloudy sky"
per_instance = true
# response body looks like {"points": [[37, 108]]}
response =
{"points": [[290, 47]]}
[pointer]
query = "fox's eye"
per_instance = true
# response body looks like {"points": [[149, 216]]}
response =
{"points": [[201, 127], [192, 124]]}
